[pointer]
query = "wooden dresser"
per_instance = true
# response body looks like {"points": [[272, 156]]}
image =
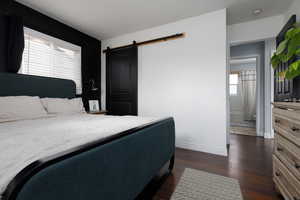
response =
{"points": [[286, 157]]}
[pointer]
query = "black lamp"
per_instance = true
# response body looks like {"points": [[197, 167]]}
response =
{"points": [[92, 84]]}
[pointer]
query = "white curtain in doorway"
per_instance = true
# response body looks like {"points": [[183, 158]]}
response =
{"points": [[248, 92]]}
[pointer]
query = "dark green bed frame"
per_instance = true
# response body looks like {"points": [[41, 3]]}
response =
{"points": [[114, 168]]}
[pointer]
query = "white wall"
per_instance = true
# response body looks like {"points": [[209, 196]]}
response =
{"points": [[227, 89], [270, 47], [257, 30], [293, 9], [184, 78]]}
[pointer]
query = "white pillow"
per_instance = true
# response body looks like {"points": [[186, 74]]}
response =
{"points": [[63, 106], [78, 103], [14, 108]]}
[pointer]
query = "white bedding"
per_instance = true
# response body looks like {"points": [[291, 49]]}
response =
{"points": [[24, 142]]}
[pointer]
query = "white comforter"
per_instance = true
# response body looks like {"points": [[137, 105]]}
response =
{"points": [[24, 142]]}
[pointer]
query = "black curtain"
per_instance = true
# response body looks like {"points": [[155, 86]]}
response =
{"points": [[3, 43], [12, 43], [15, 46]]}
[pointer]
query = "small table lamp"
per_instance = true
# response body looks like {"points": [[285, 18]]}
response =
{"points": [[92, 83]]}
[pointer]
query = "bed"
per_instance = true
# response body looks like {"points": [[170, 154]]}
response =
{"points": [[116, 164]]}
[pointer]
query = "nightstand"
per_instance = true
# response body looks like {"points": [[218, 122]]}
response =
{"points": [[101, 112]]}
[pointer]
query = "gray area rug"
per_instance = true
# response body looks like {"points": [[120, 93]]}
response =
{"points": [[199, 185]]}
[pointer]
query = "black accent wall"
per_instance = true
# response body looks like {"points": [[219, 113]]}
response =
{"points": [[3, 44], [91, 47]]}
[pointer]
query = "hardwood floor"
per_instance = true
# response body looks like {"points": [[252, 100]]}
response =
{"points": [[249, 161], [243, 130]]}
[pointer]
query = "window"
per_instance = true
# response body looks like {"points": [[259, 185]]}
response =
{"points": [[233, 84], [48, 56]]}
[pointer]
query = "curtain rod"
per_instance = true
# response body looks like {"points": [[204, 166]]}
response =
{"points": [[161, 39]]}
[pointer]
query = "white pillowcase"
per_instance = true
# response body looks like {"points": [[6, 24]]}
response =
{"points": [[63, 106], [15, 108]]}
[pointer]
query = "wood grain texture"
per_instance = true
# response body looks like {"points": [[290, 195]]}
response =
{"points": [[157, 40], [288, 153], [287, 105], [243, 130], [288, 184], [287, 129], [286, 159], [249, 161], [101, 112]]}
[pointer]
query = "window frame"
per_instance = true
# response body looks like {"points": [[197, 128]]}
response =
{"points": [[234, 84]]}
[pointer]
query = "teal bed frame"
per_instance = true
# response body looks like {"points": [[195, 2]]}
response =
{"points": [[114, 168]]}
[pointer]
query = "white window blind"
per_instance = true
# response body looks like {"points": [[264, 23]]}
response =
{"points": [[48, 56]]}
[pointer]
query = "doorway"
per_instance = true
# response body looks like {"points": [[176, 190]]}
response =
{"points": [[243, 95]]}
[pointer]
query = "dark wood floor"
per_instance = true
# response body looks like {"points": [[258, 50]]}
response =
{"points": [[249, 161]]}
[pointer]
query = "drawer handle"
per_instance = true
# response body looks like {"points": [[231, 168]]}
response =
{"points": [[277, 121], [279, 149], [277, 174], [297, 166], [295, 129]]}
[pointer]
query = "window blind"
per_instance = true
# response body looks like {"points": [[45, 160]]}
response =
{"points": [[48, 56]]}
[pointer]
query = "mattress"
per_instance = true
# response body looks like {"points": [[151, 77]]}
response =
{"points": [[23, 142]]}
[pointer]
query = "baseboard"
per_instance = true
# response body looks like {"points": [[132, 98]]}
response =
{"points": [[268, 136], [202, 148], [260, 134]]}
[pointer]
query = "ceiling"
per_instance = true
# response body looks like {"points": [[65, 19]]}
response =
{"points": [[108, 18]]}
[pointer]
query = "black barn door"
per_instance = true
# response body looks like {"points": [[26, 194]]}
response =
{"points": [[121, 81]]}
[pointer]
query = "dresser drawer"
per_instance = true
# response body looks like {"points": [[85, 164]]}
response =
{"points": [[287, 127], [286, 182], [288, 153], [282, 189], [287, 112]]}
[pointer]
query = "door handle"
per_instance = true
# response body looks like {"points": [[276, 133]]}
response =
{"points": [[279, 149], [295, 129]]}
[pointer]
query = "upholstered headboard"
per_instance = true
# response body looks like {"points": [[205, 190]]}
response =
{"points": [[27, 85]]}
